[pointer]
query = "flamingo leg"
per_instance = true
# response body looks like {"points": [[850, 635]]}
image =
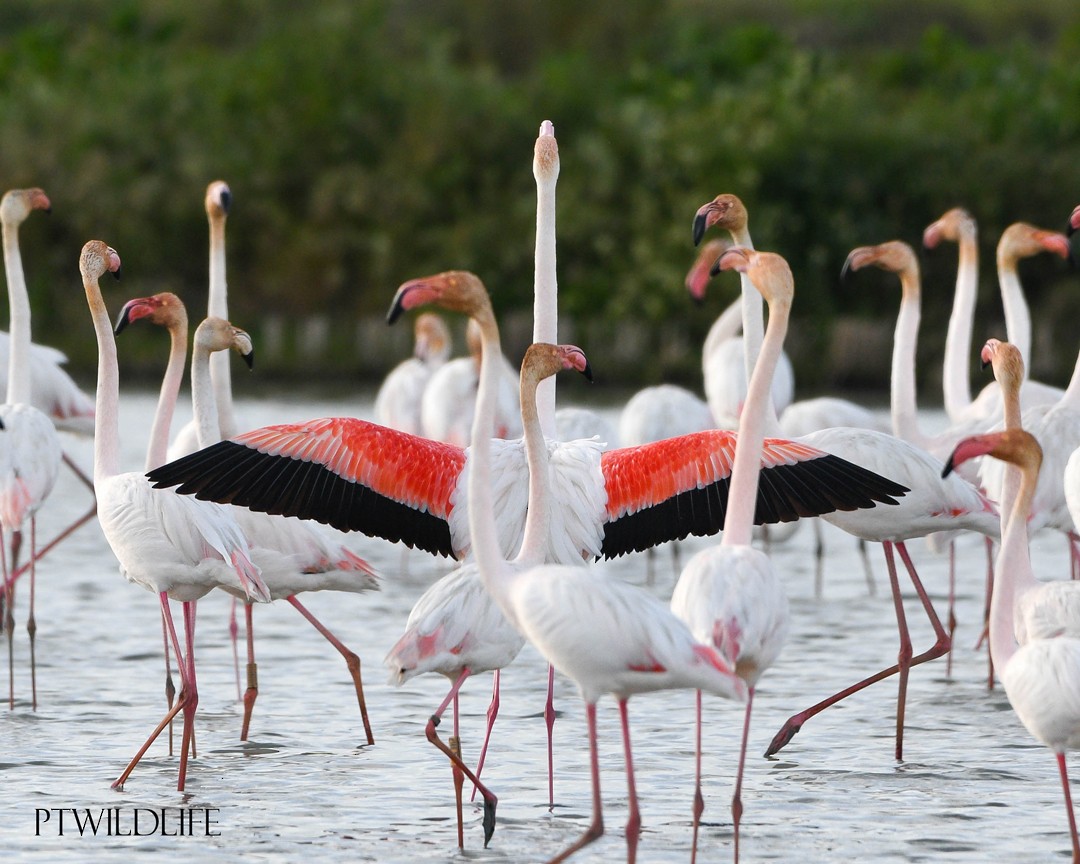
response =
{"points": [[596, 827], [952, 606], [905, 653], [252, 671], [459, 778], [234, 637], [819, 560], [490, 801], [699, 800], [9, 622], [794, 723], [492, 713], [31, 623], [351, 660], [167, 621], [986, 611], [633, 822], [170, 688], [549, 719], [736, 799], [868, 571], [1069, 806], [191, 692]]}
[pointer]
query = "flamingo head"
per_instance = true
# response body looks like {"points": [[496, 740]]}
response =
{"points": [[98, 258], [1074, 221], [767, 271], [1011, 445], [543, 360], [432, 338], [17, 204], [697, 279], [1021, 240], [164, 309], [218, 199], [217, 334], [896, 256], [454, 290], [725, 210], [546, 154], [954, 225]]}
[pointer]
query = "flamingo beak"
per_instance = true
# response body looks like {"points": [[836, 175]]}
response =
{"points": [[587, 372], [249, 358], [700, 224]]}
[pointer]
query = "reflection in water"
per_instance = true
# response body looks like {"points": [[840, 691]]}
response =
{"points": [[975, 786]]}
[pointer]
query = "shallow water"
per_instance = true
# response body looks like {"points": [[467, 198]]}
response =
{"points": [[974, 786]]}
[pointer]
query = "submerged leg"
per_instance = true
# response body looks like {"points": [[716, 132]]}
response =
{"points": [[633, 822], [251, 670], [596, 826], [492, 713]]}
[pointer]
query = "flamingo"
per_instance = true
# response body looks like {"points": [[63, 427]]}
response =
{"points": [[293, 556], [729, 595], [607, 635], [455, 628], [726, 378], [162, 541], [1042, 677], [397, 404], [30, 455]]}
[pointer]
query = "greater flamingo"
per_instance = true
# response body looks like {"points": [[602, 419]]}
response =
{"points": [[1042, 677], [162, 542], [728, 595], [30, 454], [456, 628], [607, 635], [727, 364], [397, 403]]}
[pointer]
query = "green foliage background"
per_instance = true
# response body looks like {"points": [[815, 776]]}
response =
{"points": [[370, 142]]}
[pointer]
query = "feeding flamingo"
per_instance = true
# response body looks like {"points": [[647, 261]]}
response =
{"points": [[1042, 677], [729, 595], [162, 542]]}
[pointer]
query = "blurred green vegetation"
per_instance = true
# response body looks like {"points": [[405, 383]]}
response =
{"points": [[370, 142]]}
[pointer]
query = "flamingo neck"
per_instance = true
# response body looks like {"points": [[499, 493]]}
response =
{"points": [[537, 517], [546, 295], [742, 495], [107, 401], [956, 381], [18, 383], [1010, 484], [170, 389], [1013, 573], [753, 319], [203, 403], [485, 547], [902, 387], [1017, 315], [218, 306], [1071, 397]]}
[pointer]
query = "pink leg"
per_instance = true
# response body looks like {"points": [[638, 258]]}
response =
{"points": [[167, 619], [796, 721], [170, 688], [596, 827], [736, 799], [492, 713], [191, 693], [952, 605], [549, 719], [699, 800], [1069, 806], [351, 660], [490, 801], [234, 637], [633, 822], [252, 669], [9, 622], [986, 610], [905, 654], [31, 623]]}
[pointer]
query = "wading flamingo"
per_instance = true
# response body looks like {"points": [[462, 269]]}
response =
{"points": [[162, 542], [728, 595], [1042, 677]]}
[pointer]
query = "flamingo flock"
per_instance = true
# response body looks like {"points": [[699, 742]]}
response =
{"points": [[471, 459]]}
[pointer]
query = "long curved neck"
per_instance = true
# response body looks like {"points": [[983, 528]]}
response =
{"points": [[1013, 572], [218, 306], [1017, 315], [753, 319], [485, 547], [170, 389], [107, 402], [537, 517], [902, 388], [742, 495], [1010, 485], [546, 295], [18, 383], [956, 380], [204, 405]]}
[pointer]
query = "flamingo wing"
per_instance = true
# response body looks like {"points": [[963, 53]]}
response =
{"points": [[344, 472], [672, 488]]}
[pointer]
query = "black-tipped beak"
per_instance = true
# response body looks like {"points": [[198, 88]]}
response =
{"points": [[699, 227], [948, 469], [116, 274], [249, 358], [985, 363], [845, 271], [122, 322], [715, 269], [587, 372], [226, 201], [395, 309]]}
